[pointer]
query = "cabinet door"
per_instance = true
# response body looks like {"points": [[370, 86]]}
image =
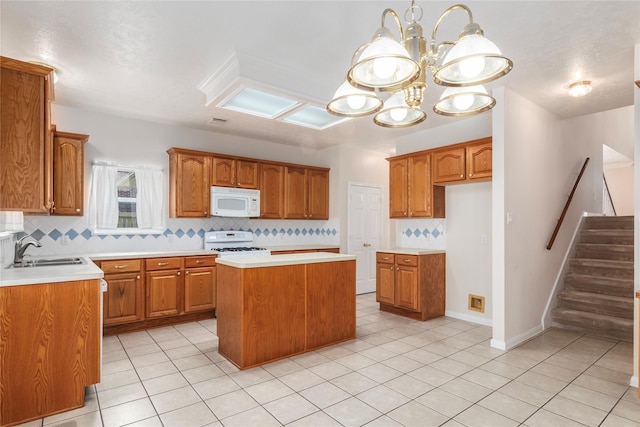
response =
{"points": [[318, 194], [420, 197], [223, 172], [295, 193], [479, 161], [385, 283], [25, 140], [246, 174], [271, 191], [398, 188], [407, 296], [124, 299], [164, 292], [199, 289], [68, 174], [449, 165], [190, 192]]}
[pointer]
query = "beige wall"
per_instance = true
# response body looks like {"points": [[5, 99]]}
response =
{"points": [[621, 188]]}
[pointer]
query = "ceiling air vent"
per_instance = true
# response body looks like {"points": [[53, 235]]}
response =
{"points": [[215, 121]]}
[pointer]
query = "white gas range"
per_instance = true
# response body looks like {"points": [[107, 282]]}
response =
{"points": [[232, 243]]}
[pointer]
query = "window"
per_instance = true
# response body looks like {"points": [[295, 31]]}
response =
{"points": [[127, 191], [126, 200]]}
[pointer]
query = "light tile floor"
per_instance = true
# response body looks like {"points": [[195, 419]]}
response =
{"points": [[397, 372]]}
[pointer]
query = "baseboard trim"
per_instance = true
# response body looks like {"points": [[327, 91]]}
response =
{"points": [[469, 318], [634, 381], [517, 340]]}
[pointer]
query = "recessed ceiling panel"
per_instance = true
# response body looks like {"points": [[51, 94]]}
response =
{"points": [[259, 103], [313, 117]]}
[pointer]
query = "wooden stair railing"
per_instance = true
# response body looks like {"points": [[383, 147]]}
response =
{"points": [[566, 206]]}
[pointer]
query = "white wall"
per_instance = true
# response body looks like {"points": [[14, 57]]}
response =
{"points": [[540, 157], [621, 188], [614, 128], [469, 250], [636, 240]]}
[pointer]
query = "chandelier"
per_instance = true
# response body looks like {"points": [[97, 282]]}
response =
{"points": [[400, 68]]}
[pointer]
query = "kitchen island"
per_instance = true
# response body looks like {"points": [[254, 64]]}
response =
{"points": [[273, 307]]}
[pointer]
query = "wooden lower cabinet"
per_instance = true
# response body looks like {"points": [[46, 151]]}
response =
{"points": [[165, 287], [49, 348], [124, 299], [144, 293], [199, 284], [411, 285]]}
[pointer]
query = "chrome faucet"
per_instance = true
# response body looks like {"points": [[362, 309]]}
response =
{"points": [[21, 247]]}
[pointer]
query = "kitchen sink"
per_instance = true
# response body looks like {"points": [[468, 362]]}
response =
{"points": [[49, 262]]}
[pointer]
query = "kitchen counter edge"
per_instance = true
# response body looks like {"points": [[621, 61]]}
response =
{"points": [[411, 251], [52, 274], [284, 259]]}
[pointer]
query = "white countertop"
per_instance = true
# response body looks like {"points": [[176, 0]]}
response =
{"points": [[411, 251], [302, 247], [285, 259], [50, 274]]}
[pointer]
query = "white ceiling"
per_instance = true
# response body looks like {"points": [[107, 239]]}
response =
{"points": [[147, 59]]}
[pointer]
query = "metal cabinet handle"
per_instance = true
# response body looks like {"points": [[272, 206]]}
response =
{"points": [[199, 261], [120, 266], [470, 174], [138, 277], [407, 260], [186, 272], [461, 175], [398, 268], [77, 209], [178, 273], [385, 258], [161, 264], [391, 268]]}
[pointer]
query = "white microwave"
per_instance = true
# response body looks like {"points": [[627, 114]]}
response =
{"points": [[235, 202]]}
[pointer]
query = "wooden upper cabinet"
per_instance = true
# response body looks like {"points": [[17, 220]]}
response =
{"points": [[188, 184], [467, 161], [420, 198], [479, 161], [306, 193], [68, 173], [411, 193], [271, 190], [449, 165], [318, 194], [295, 192], [26, 91], [398, 188], [228, 172]]}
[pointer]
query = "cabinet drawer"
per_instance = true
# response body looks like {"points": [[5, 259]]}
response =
{"points": [[121, 266], [385, 258], [407, 260], [163, 263], [200, 261]]}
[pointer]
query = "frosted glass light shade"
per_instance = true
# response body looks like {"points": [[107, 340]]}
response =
{"points": [[473, 60], [464, 101], [349, 101], [397, 114], [385, 65]]}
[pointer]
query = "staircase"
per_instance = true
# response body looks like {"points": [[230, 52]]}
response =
{"points": [[597, 298]]}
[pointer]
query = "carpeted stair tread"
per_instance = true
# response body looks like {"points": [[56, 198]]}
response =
{"points": [[599, 284], [593, 323], [604, 251], [600, 222], [613, 236], [596, 303], [602, 267]]}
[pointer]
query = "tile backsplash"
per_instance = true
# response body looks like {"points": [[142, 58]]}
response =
{"points": [[71, 235], [421, 233]]}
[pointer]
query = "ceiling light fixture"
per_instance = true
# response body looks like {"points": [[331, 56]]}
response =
{"points": [[386, 65], [580, 88]]}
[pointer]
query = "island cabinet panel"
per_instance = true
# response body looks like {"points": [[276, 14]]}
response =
{"points": [[270, 313], [272, 305], [330, 306], [49, 348]]}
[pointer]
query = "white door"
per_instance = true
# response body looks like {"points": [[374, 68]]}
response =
{"points": [[365, 228]]}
